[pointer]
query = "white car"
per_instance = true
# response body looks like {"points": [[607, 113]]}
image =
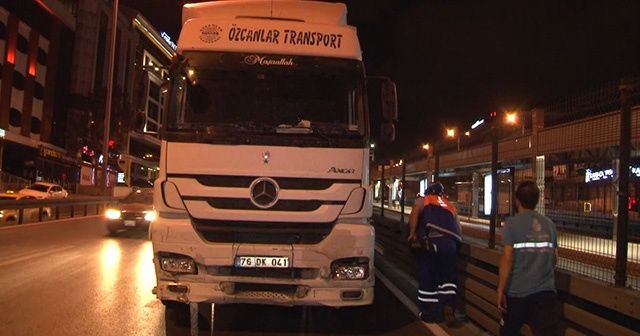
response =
{"points": [[29, 214], [44, 190]]}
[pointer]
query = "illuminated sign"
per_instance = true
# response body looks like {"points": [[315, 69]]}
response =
{"points": [[504, 171], [121, 177], [167, 39], [590, 176]]}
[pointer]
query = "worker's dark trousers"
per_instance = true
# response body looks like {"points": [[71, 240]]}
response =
{"points": [[437, 278], [537, 310]]}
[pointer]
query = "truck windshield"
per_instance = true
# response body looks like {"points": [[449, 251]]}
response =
{"points": [[273, 95]]}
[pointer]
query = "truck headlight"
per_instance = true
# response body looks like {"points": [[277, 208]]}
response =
{"points": [[112, 214], [150, 216], [178, 264], [350, 269]]}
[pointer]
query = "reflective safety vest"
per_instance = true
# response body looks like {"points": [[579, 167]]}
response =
{"points": [[440, 215]]}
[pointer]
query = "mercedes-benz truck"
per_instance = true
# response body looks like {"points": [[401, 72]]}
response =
{"points": [[263, 193]]}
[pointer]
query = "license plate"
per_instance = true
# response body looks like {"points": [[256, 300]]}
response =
{"points": [[273, 262], [129, 223]]}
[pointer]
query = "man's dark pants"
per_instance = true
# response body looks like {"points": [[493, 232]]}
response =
{"points": [[437, 278], [537, 310]]}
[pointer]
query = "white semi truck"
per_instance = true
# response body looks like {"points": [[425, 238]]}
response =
{"points": [[263, 194]]}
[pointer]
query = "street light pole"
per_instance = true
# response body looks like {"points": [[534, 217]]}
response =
{"points": [[402, 195], [493, 220], [107, 112], [383, 185]]}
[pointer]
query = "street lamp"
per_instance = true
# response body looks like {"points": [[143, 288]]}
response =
{"points": [[451, 133], [427, 148], [372, 149], [454, 134], [431, 151], [511, 118]]}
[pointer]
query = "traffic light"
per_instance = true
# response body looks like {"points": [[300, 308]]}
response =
{"points": [[493, 118], [111, 143]]}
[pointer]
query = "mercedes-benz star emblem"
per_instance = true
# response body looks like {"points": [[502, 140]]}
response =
{"points": [[264, 192]]}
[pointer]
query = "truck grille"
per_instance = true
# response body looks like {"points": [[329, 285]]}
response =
{"points": [[262, 232], [305, 220]]}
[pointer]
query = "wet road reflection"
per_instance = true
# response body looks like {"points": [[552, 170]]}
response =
{"points": [[71, 278]]}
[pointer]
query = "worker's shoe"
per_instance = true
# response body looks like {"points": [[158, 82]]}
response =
{"points": [[437, 319], [450, 318]]}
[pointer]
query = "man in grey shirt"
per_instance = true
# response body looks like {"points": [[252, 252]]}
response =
{"points": [[526, 286]]}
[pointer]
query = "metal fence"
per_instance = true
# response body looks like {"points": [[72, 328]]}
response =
{"points": [[584, 153], [594, 187], [12, 182]]}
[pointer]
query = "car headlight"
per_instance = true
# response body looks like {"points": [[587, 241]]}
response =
{"points": [[150, 216], [350, 269], [177, 264], [112, 214]]}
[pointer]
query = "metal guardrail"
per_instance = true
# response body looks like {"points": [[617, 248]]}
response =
{"points": [[60, 208]]}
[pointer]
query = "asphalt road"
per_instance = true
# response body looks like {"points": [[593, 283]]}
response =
{"points": [[69, 277]]}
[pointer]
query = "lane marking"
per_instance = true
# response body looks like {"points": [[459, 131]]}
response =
{"points": [[433, 327]]}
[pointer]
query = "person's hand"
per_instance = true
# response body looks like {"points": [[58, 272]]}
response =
{"points": [[502, 302], [412, 237]]}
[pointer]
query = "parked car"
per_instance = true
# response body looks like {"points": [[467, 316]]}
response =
{"points": [[44, 190], [13, 215], [132, 212]]}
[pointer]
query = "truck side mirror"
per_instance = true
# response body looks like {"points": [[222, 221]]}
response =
{"points": [[388, 131], [388, 106]]}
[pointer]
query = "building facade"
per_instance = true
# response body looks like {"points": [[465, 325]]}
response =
{"points": [[53, 89], [35, 44]]}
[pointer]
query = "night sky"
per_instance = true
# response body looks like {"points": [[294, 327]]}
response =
{"points": [[454, 61]]}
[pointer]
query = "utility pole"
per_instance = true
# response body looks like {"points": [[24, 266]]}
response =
{"points": [[622, 236], [493, 220], [402, 195], [107, 112]]}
